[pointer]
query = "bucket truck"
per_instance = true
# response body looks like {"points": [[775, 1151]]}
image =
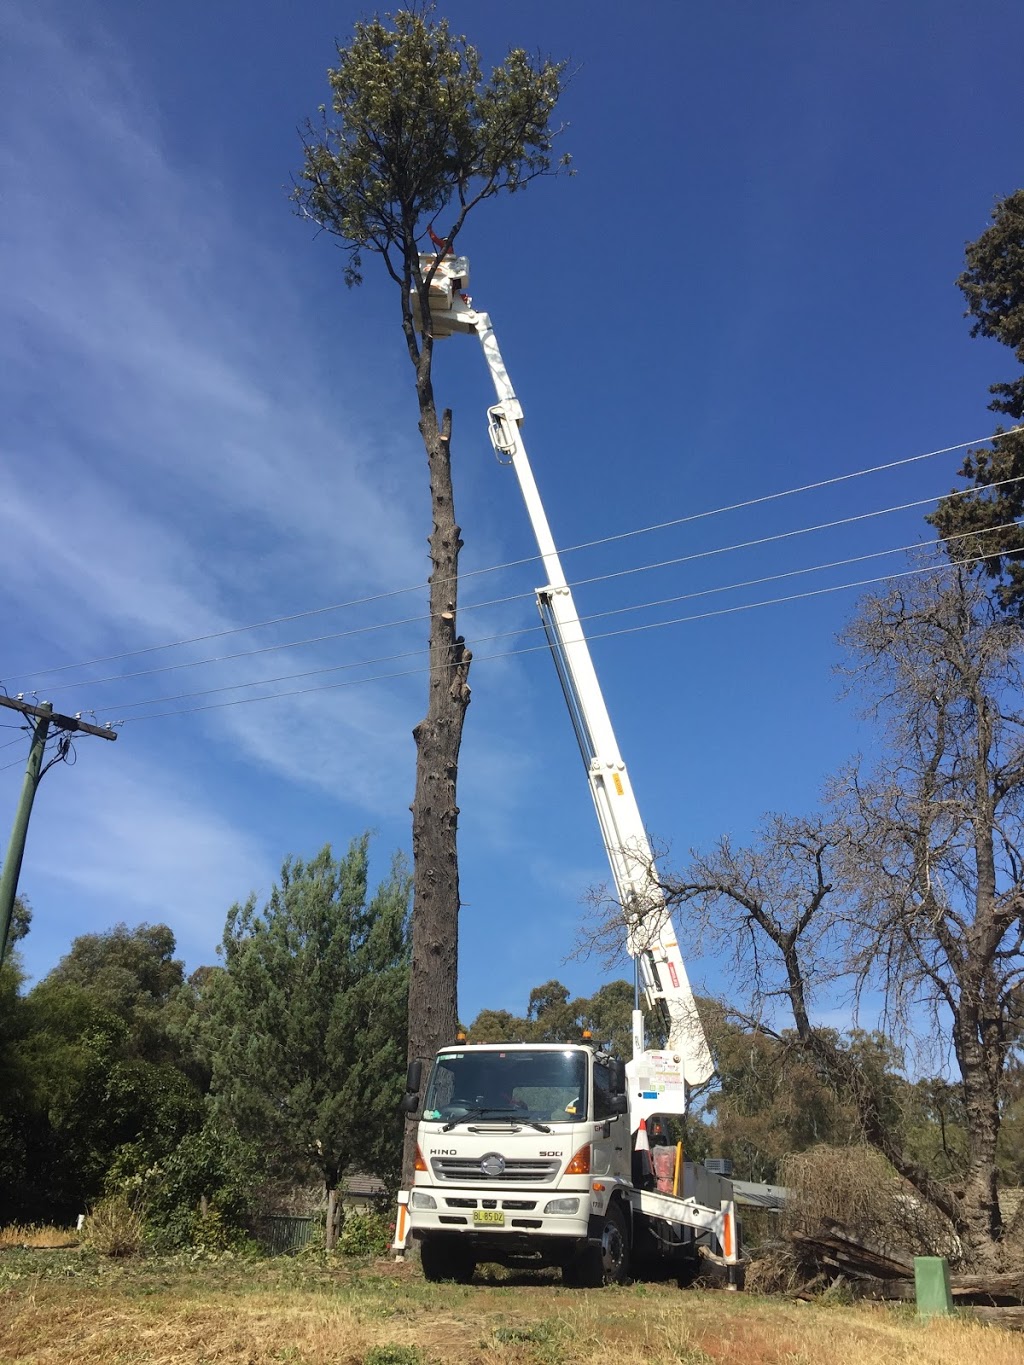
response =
{"points": [[539, 1154]]}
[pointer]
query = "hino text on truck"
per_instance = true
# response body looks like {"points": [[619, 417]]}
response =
{"points": [[541, 1154]]}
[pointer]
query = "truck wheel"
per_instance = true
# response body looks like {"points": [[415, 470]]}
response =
{"points": [[606, 1263], [688, 1270], [445, 1258]]}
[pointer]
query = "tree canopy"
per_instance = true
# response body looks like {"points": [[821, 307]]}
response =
{"points": [[106, 1064], [305, 1025], [416, 131], [553, 1017], [94, 1070], [982, 521]]}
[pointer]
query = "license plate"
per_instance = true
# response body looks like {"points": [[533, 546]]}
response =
{"points": [[491, 1217]]}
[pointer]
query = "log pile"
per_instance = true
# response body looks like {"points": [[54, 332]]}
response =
{"points": [[834, 1250], [875, 1272]]}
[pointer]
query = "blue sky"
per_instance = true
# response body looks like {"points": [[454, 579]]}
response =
{"points": [[748, 286]]}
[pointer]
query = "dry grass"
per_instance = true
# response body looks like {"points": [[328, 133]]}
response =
{"points": [[37, 1235], [74, 1307]]}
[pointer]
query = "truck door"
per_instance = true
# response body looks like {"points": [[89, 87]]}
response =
{"points": [[610, 1144]]}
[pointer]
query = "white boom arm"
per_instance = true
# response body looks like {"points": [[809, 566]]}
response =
{"points": [[651, 939]]}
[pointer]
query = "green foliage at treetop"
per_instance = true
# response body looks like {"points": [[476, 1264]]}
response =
{"points": [[415, 130]]}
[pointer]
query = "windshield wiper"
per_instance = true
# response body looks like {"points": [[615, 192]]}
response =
{"points": [[480, 1113]]}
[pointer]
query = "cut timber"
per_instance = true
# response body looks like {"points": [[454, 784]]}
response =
{"points": [[835, 1248], [1010, 1318]]}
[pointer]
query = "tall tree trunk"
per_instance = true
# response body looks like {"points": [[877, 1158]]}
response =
{"points": [[978, 1037], [433, 1013], [982, 1225]]}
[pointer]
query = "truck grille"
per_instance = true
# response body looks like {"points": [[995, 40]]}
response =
{"points": [[518, 1205], [467, 1170]]}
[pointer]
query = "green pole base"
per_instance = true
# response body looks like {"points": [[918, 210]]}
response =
{"points": [[931, 1283]]}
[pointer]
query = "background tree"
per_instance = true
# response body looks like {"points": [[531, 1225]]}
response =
{"points": [[913, 891], [552, 1017], [305, 1026], [936, 845], [416, 134], [99, 1068], [768, 1099], [16, 1107], [983, 521]]}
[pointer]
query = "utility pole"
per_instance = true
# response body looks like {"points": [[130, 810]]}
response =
{"points": [[45, 717]]}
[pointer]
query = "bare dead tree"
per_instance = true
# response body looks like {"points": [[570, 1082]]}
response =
{"points": [[933, 855], [909, 888]]}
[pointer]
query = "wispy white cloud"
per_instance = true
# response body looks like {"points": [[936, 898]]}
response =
{"points": [[131, 296], [132, 845], [174, 463]]}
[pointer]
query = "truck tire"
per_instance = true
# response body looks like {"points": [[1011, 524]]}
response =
{"points": [[688, 1269], [445, 1258], [606, 1262]]}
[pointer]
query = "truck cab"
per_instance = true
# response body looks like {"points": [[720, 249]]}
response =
{"points": [[524, 1158]]}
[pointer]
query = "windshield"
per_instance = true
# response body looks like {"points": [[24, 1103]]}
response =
{"points": [[547, 1087]]}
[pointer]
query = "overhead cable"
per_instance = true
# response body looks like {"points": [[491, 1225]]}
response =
{"points": [[120, 706], [527, 559], [672, 562], [603, 635]]}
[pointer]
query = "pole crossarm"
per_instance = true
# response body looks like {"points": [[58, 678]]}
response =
{"points": [[56, 719]]}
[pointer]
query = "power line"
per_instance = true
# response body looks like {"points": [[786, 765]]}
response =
{"points": [[531, 630], [603, 635], [529, 559], [673, 562]]}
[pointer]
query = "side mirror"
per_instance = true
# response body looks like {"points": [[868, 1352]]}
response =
{"points": [[410, 1101], [619, 1104], [617, 1077]]}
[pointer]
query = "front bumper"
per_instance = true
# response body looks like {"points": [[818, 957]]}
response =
{"points": [[474, 1213]]}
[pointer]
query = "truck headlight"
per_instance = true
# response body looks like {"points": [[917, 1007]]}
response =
{"points": [[562, 1206], [421, 1200]]}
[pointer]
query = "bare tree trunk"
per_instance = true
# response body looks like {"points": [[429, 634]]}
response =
{"points": [[433, 1015]]}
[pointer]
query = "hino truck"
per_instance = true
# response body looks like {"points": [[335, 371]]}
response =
{"points": [[542, 1154]]}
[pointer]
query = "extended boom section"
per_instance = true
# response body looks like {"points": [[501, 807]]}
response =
{"points": [[649, 934]]}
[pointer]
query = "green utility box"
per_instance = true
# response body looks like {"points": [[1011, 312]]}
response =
{"points": [[931, 1283]]}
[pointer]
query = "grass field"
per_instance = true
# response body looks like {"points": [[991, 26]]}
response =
{"points": [[67, 1306]]}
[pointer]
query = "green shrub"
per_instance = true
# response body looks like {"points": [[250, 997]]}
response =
{"points": [[114, 1228], [212, 1167], [393, 1355], [366, 1234], [545, 1339]]}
